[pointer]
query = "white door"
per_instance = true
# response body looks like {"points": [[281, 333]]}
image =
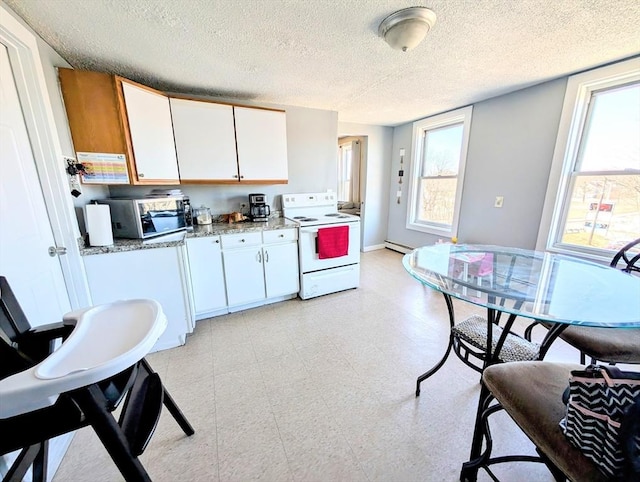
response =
{"points": [[281, 269], [25, 232]]}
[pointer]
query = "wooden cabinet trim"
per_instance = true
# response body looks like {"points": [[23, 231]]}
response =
{"points": [[221, 102]]}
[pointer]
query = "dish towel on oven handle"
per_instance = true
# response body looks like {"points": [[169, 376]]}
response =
{"points": [[333, 242], [603, 419]]}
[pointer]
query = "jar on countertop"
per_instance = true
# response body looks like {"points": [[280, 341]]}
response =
{"points": [[202, 215]]}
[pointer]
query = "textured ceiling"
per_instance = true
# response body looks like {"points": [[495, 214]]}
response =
{"points": [[326, 54]]}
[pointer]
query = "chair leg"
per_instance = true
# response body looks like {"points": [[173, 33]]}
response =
{"points": [[40, 464], [25, 459], [93, 403], [171, 405]]}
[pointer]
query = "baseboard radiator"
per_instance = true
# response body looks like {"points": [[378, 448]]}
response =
{"points": [[397, 247]]}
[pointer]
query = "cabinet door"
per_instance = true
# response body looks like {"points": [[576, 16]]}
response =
{"points": [[243, 275], [281, 269], [205, 140], [207, 275], [262, 144], [154, 150]]}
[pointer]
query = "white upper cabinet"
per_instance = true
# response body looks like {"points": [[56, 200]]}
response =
{"points": [[149, 117], [205, 140], [261, 137]]}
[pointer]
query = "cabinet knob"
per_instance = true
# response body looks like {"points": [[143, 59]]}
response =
{"points": [[140, 174], [217, 240], [242, 240], [235, 176], [241, 177], [281, 235]]}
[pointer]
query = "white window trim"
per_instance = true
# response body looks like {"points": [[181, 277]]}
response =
{"points": [[442, 120], [574, 112]]}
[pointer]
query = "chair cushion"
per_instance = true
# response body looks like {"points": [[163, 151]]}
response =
{"points": [[474, 331], [605, 344], [531, 393]]}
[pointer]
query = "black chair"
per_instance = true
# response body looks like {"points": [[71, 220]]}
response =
{"points": [[531, 393], [604, 344], [138, 387]]}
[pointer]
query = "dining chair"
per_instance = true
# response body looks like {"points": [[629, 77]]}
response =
{"points": [[604, 344], [470, 335], [530, 393], [137, 389]]}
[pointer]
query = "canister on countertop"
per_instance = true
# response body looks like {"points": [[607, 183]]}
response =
{"points": [[202, 215]]}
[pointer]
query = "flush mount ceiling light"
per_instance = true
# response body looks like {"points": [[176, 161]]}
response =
{"points": [[406, 28]]}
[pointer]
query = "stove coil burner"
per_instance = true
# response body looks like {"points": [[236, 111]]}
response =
{"points": [[332, 215], [306, 220]]}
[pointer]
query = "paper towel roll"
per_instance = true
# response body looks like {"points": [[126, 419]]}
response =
{"points": [[98, 222]]}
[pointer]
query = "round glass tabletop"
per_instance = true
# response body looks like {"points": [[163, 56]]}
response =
{"points": [[543, 286]]}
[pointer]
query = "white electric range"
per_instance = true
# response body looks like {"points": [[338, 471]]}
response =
{"points": [[313, 212]]}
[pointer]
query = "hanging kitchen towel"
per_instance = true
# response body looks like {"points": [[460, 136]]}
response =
{"points": [[333, 242]]}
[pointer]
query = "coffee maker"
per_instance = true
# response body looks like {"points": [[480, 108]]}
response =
{"points": [[259, 210]]}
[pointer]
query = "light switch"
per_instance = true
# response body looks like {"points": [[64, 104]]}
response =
{"points": [[499, 202]]}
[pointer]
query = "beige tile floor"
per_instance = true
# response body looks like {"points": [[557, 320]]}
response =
{"points": [[319, 390]]}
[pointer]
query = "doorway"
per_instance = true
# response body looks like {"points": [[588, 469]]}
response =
{"points": [[352, 152]]}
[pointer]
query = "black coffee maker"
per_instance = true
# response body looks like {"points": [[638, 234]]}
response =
{"points": [[259, 210]]}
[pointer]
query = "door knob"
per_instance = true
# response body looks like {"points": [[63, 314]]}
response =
{"points": [[53, 251]]}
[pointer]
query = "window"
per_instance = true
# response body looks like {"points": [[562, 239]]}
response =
{"points": [[597, 204], [345, 160], [439, 156]]}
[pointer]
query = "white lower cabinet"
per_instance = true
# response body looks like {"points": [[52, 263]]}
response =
{"points": [[260, 267], [244, 275], [281, 269], [158, 274], [207, 276]]}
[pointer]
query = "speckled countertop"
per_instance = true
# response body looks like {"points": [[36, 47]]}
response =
{"points": [[215, 229]]}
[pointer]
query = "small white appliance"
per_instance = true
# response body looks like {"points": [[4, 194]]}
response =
{"points": [[313, 212]]}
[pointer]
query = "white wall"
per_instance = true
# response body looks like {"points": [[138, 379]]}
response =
{"points": [[511, 145], [377, 171]]}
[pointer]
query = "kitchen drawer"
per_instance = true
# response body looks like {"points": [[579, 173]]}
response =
{"points": [[230, 241], [279, 235]]}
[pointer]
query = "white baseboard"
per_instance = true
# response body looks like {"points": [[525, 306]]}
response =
{"points": [[373, 248], [397, 247]]}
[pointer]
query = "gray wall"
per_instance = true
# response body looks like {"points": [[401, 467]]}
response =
{"points": [[511, 146], [377, 169]]}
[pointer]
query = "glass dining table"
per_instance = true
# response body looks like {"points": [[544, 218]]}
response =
{"points": [[546, 287]]}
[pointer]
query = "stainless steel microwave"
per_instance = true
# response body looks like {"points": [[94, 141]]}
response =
{"points": [[144, 218]]}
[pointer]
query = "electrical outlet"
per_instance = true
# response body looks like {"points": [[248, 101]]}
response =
{"points": [[499, 202]]}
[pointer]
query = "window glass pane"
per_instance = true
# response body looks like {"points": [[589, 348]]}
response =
{"points": [[612, 134], [344, 172], [437, 200], [442, 149], [604, 211]]}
